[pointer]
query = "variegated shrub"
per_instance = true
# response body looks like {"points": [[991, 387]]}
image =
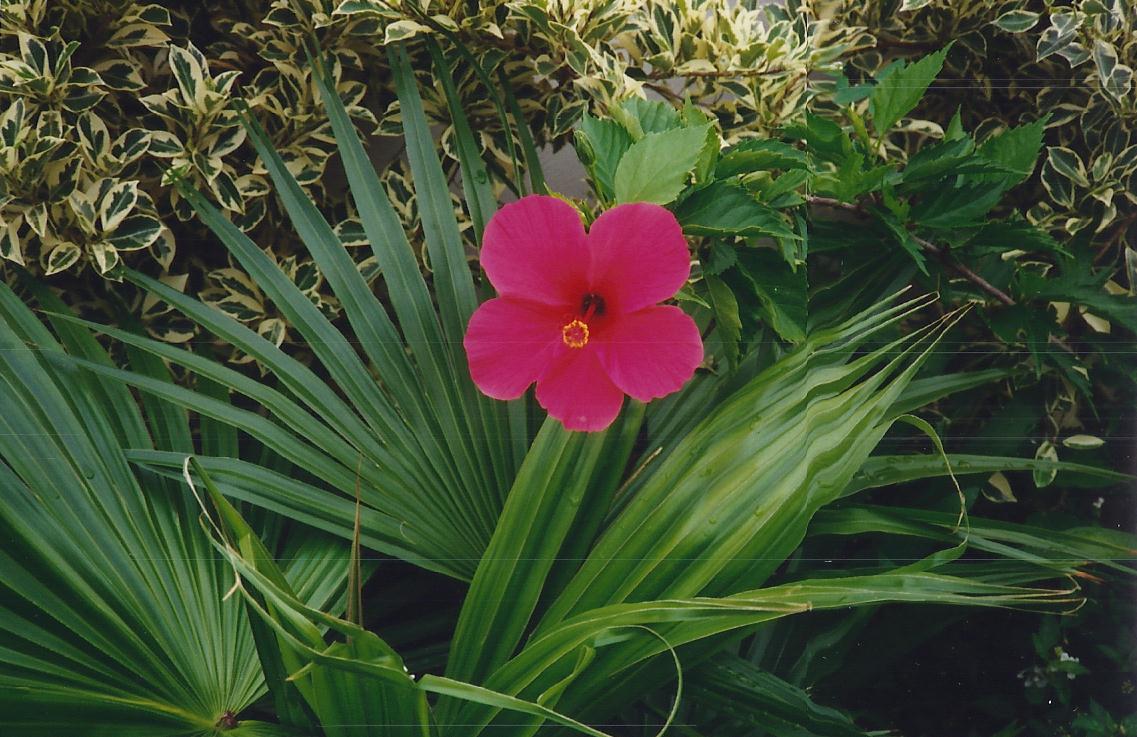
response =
{"points": [[187, 61]]}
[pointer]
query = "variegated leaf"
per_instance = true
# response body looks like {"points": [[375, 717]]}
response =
{"points": [[402, 30], [225, 189], [189, 68], [351, 233], [94, 138], [165, 144], [135, 232], [273, 330], [224, 141], [10, 248], [36, 217], [105, 255], [116, 203], [34, 54], [84, 91], [120, 75], [130, 145], [61, 257], [12, 129], [163, 248], [154, 14], [137, 34]]}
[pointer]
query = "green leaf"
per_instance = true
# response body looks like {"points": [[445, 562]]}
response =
{"points": [[476, 184], [743, 691], [1063, 551], [781, 291], [952, 207], [899, 92], [655, 168], [888, 470], [1015, 233], [543, 504], [937, 160], [759, 155], [524, 134], [640, 116], [728, 322], [824, 137], [1016, 149], [725, 209], [604, 144], [922, 392], [106, 565]]}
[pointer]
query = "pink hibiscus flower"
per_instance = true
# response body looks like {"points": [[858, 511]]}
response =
{"points": [[578, 312]]}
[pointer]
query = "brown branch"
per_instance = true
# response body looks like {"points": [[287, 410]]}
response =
{"points": [[939, 252], [664, 91], [716, 73]]}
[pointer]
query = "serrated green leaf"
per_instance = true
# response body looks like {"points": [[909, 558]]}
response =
{"points": [[903, 238], [952, 207], [655, 168], [896, 95], [938, 159], [1016, 149], [1010, 235], [640, 116], [719, 258], [724, 209], [824, 137], [759, 155], [1077, 284]]}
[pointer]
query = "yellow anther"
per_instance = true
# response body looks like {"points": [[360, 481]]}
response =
{"points": [[575, 334]]}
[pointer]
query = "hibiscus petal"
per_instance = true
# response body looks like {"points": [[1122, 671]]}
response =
{"points": [[577, 391], [651, 353], [535, 249], [509, 344], [639, 256]]}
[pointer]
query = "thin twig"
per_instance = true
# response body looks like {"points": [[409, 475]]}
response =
{"points": [[717, 73], [939, 252]]}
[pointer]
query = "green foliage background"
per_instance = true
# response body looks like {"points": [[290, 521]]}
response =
{"points": [[820, 155]]}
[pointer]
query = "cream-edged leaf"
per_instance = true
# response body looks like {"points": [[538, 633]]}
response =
{"points": [[61, 257]]}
